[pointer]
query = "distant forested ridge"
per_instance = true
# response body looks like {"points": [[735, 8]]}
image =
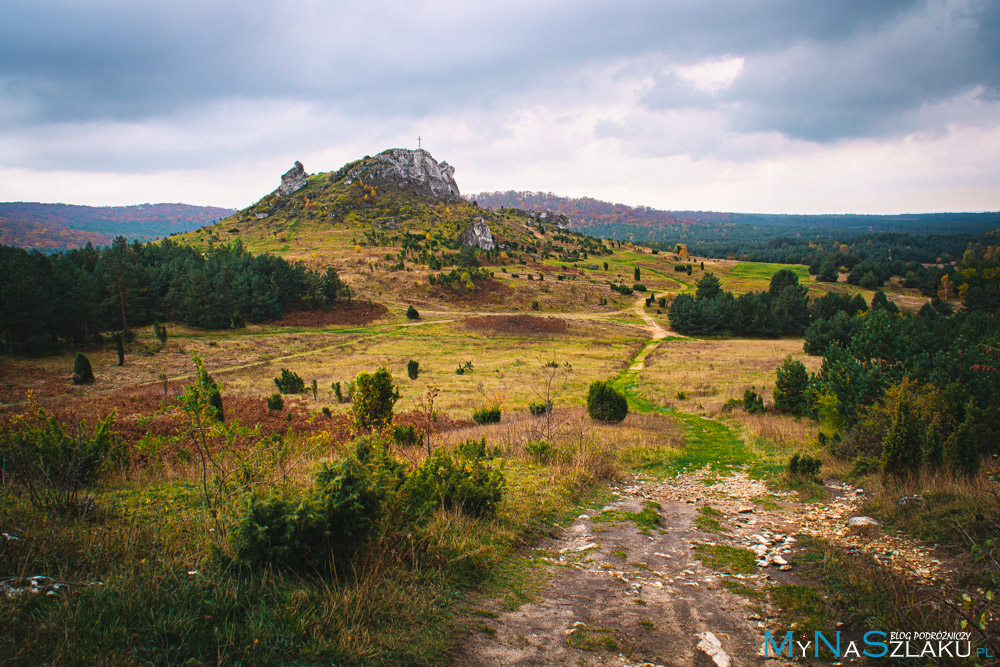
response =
{"points": [[50, 227], [793, 239]]}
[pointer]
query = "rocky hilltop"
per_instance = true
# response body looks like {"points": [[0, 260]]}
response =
{"points": [[403, 167]]}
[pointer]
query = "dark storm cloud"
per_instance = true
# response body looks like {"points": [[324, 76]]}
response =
{"points": [[820, 71], [127, 60]]}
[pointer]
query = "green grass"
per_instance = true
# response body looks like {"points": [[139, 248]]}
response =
{"points": [[707, 521], [586, 638], [645, 519], [727, 559]]}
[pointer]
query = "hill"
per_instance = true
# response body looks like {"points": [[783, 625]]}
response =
{"points": [[390, 221], [51, 227]]}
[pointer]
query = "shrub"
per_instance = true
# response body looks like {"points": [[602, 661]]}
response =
{"points": [[412, 369], [791, 387], [487, 415], [753, 403], [289, 382], [326, 412], [373, 396], [83, 373], [161, 332], [540, 451], [411, 313], [473, 449], [534, 304], [731, 404], [803, 465], [211, 390], [605, 404], [638, 287], [405, 436], [120, 347], [54, 463], [275, 402], [464, 368], [443, 482], [337, 392], [540, 408], [334, 518]]}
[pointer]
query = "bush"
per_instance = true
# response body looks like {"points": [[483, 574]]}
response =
{"points": [[638, 287], [327, 413], [290, 383], [464, 368], [540, 451], [54, 463], [803, 465], [334, 518], [161, 332], [411, 313], [540, 408], [211, 390], [373, 396], [473, 449], [534, 305], [605, 404], [791, 387], [487, 415], [443, 482], [275, 402], [405, 436], [753, 403], [337, 392], [83, 373], [412, 369]]}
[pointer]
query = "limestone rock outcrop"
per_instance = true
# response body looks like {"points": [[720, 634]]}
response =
{"points": [[478, 234], [293, 179], [403, 167]]}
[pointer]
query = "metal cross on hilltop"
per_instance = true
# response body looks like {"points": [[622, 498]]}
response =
{"points": [[419, 147]]}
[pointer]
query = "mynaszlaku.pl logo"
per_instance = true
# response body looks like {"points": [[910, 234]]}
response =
{"points": [[874, 644]]}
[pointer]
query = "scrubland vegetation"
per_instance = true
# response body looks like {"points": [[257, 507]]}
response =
{"points": [[260, 482]]}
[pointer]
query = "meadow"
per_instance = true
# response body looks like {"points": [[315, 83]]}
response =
{"points": [[151, 574]]}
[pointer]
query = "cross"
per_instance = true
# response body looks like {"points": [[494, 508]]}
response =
{"points": [[418, 143]]}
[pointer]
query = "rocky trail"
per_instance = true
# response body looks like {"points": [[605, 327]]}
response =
{"points": [[624, 585]]}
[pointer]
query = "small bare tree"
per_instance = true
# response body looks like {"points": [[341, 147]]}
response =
{"points": [[426, 403], [549, 372]]}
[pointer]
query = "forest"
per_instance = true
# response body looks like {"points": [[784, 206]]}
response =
{"points": [[76, 295], [788, 239]]}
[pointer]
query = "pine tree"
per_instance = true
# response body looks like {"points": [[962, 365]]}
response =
{"points": [[791, 386], [901, 451], [961, 450]]}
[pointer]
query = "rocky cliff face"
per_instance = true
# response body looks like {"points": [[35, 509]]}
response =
{"points": [[478, 234], [403, 167], [293, 179]]}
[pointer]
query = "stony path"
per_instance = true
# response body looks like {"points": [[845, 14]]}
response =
{"points": [[618, 595]]}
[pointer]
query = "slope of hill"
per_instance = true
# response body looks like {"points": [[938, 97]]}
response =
{"points": [[388, 222], [52, 227]]}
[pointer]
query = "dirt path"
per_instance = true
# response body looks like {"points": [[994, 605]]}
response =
{"points": [[621, 595], [657, 332]]}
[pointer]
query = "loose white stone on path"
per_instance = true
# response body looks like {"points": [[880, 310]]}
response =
{"points": [[711, 645]]}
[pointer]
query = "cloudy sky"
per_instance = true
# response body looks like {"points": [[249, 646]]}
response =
{"points": [[755, 105]]}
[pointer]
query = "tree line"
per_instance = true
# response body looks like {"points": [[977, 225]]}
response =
{"points": [[76, 295], [783, 310]]}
